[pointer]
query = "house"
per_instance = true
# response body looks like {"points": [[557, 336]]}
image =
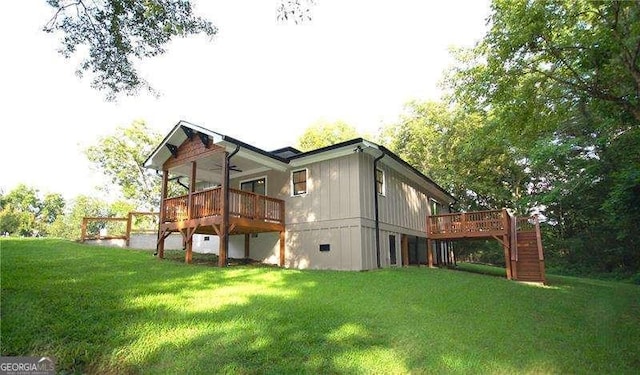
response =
{"points": [[350, 206]]}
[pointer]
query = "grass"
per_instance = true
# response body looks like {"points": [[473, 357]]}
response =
{"points": [[105, 310]]}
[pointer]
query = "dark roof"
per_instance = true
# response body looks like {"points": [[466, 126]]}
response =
{"points": [[328, 148], [286, 152]]}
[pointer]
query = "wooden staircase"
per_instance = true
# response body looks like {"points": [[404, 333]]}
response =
{"points": [[519, 236], [527, 260]]}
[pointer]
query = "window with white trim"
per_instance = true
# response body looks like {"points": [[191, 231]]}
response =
{"points": [[380, 186], [299, 182]]}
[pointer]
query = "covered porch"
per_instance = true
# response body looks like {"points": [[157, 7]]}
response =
{"points": [[202, 162]]}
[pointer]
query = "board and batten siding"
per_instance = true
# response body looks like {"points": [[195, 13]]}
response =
{"points": [[402, 209], [328, 214]]}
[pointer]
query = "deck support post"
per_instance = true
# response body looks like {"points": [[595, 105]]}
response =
{"points": [[188, 249], [429, 253], [282, 255], [247, 244], [507, 256]]}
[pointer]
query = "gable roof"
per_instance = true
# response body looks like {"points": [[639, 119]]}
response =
{"points": [[283, 158]]}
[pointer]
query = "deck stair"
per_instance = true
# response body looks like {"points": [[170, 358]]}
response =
{"points": [[519, 236]]}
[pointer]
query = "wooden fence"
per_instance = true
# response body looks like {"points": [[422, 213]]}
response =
{"points": [[119, 228]]}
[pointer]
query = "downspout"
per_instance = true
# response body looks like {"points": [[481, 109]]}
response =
{"points": [[226, 196], [375, 206]]}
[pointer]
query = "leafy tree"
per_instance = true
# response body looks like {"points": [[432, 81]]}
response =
{"points": [[458, 151], [69, 225], [52, 206], [120, 156], [324, 133], [23, 212], [559, 81], [111, 35]]}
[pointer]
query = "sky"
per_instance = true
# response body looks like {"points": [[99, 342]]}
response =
{"points": [[257, 80]]}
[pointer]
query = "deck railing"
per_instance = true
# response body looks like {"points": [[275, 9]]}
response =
{"points": [[467, 223], [207, 203]]}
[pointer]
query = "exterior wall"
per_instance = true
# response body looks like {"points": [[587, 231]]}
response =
{"points": [[328, 214], [402, 209], [338, 210]]}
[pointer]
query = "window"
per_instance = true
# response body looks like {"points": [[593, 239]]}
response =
{"points": [[325, 247], [299, 182], [258, 186], [380, 181], [434, 207]]}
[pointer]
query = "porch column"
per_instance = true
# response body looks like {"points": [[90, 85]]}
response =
{"points": [[192, 189], [281, 249], [224, 226], [429, 253], [161, 216]]}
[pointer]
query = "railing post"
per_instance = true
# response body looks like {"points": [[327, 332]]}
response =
{"points": [[463, 222], [281, 204]]}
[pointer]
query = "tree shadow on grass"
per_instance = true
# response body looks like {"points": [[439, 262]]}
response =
{"points": [[117, 311]]}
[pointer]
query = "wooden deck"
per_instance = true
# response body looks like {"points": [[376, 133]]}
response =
{"points": [[520, 238], [248, 212]]}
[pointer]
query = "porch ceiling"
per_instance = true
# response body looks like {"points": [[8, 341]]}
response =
{"points": [[209, 169]]}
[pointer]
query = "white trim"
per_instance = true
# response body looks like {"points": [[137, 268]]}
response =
{"points": [[266, 191], [306, 182]]}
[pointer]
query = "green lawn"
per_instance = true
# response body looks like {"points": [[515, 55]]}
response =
{"points": [[101, 310]]}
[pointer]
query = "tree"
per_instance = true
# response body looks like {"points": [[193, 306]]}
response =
{"points": [[324, 133], [24, 212], [69, 225], [120, 156], [457, 150], [560, 82], [111, 35]]}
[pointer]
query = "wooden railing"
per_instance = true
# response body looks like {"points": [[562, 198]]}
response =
{"points": [[468, 224], [527, 224], [207, 203]]}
